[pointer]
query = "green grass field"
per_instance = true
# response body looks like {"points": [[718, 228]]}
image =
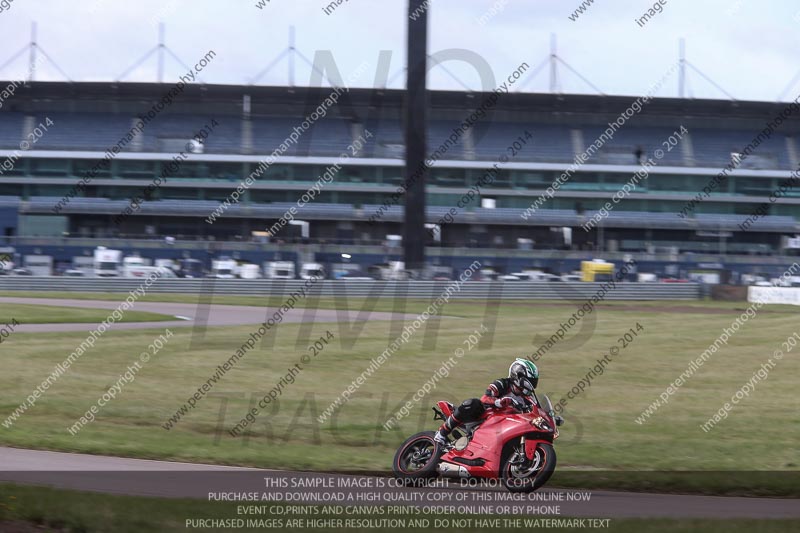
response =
{"points": [[49, 314], [761, 433]]}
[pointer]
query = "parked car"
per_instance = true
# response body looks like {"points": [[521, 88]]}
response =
{"points": [[357, 275]]}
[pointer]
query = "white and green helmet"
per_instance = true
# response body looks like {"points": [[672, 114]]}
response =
{"points": [[524, 374]]}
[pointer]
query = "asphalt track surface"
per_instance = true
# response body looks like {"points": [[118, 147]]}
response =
{"points": [[139, 477], [191, 314], [185, 480]]}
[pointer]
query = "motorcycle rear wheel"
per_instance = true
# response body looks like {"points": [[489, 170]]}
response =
{"points": [[417, 457], [519, 474]]}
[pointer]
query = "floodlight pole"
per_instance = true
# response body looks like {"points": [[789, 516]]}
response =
{"points": [[683, 63], [161, 46], [160, 49], [416, 107], [32, 55], [682, 67], [553, 60], [291, 56], [34, 50], [553, 64]]}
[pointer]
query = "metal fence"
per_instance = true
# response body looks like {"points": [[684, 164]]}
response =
{"points": [[517, 290]]}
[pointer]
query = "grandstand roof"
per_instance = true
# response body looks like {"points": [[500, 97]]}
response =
{"points": [[111, 97]]}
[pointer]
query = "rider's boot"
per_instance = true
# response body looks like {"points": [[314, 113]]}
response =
{"points": [[444, 430]]}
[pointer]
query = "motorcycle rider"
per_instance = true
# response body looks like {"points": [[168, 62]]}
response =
{"points": [[513, 391]]}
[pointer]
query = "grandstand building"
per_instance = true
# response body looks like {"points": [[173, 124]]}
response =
{"points": [[84, 163]]}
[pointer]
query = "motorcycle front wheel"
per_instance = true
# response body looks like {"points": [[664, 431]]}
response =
{"points": [[417, 457], [520, 474]]}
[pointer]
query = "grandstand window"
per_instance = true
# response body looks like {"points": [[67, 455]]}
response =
{"points": [[720, 208], [668, 183], [753, 186], [696, 183], [296, 173], [301, 173], [386, 174], [447, 200], [586, 181], [11, 167], [226, 171], [50, 167], [629, 204], [45, 190], [504, 201], [259, 196], [785, 210], [780, 184], [83, 166], [350, 174], [616, 179], [114, 193], [530, 179], [659, 206], [184, 169], [328, 197], [358, 198], [512, 202], [370, 174], [748, 208], [277, 172], [448, 177], [502, 180], [176, 193], [135, 169], [392, 176]]}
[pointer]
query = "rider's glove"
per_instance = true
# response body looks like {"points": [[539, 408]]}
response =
{"points": [[505, 402]]}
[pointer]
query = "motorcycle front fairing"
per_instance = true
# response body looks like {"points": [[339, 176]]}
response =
{"points": [[484, 453], [545, 425], [544, 430]]}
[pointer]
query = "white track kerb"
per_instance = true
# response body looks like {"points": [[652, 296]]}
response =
{"points": [[408, 331], [61, 368]]}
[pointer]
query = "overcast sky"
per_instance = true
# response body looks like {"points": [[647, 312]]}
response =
{"points": [[751, 48]]}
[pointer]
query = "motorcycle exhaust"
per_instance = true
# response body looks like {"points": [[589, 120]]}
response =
{"points": [[451, 470]]}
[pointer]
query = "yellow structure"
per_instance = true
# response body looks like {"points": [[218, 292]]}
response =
{"points": [[591, 269]]}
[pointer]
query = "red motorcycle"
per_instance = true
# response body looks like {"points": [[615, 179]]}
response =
{"points": [[514, 445]]}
